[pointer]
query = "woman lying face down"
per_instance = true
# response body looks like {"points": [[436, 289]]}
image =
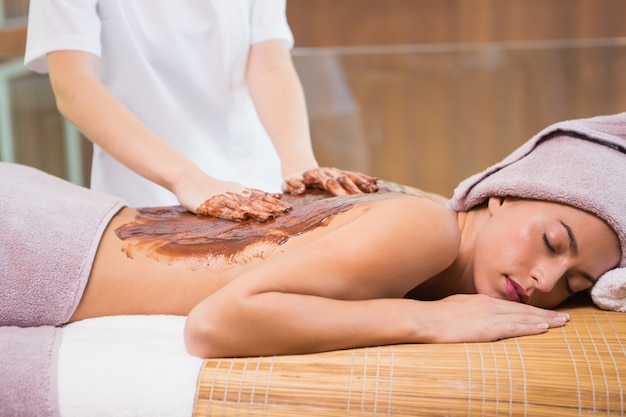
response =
{"points": [[334, 273], [396, 266], [409, 267]]}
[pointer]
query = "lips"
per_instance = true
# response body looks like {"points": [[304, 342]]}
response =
{"points": [[515, 292]]}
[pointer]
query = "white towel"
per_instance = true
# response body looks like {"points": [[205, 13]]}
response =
{"points": [[126, 366]]}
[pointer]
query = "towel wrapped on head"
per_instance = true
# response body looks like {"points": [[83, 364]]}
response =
{"points": [[581, 163]]}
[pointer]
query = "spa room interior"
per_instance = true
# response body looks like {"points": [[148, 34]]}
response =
{"points": [[419, 92]]}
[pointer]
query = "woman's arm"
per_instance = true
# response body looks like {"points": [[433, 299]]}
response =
{"points": [[345, 290]]}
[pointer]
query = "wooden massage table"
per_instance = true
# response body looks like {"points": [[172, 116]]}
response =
{"points": [[138, 366], [577, 370]]}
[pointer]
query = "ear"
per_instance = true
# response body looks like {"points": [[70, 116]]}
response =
{"points": [[495, 204]]}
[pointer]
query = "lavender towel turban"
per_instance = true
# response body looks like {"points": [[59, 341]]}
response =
{"points": [[577, 162]]}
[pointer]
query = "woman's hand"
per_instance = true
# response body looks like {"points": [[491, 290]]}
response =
{"points": [[333, 180], [480, 318]]}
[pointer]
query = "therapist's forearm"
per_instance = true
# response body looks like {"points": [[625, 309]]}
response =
{"points": [[101, 117], [279, 99]]}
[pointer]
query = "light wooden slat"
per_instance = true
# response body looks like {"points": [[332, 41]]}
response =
{"points": [[579, 369]]}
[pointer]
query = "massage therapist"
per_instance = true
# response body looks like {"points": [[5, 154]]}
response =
{"points": [[182, 100]]}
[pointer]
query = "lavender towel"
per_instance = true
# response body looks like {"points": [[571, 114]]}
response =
{"points": [[50, 232], [28, 376], [577, 162]]}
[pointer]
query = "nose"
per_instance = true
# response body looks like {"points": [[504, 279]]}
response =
{"points": [[546, 275]]}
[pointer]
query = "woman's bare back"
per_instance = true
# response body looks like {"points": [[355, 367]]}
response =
{"points": [[166, 260]]}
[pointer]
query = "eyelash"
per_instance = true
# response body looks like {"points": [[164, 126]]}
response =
{"points": [[547, 243], [553, 251], [568, 287]]}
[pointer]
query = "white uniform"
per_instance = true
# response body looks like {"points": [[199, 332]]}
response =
{"points": [[179, 65]]}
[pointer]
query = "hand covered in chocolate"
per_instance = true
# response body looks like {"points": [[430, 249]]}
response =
{"points": [[255, 204], [333, 180]]}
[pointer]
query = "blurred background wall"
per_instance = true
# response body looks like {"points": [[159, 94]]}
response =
{"points": [[422, 92]]}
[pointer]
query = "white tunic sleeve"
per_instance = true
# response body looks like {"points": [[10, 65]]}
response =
{"points": [[180, 67], [55, 25], [269, 21]]}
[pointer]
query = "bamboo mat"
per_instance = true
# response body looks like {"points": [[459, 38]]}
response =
{"points": [[577, 370]]}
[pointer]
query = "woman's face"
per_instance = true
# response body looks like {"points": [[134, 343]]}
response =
{"points": [[541, 253]]}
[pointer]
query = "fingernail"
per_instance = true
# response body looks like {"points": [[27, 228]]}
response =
{"points": [[543, 325], [562, 318]]}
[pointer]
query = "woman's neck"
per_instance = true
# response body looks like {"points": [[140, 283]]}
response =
{"points": [[458, 278]]}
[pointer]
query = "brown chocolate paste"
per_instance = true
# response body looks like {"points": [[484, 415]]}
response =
{"points": [[172, 234]]}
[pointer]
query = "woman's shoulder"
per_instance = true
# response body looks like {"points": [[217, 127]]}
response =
{"points": [[426, 215], [421, 215], [424, 226], [411, 238], [392, 187]]}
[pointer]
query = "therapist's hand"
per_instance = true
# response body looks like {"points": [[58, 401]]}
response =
{"points": [[207, 196], [333, 180], [250, 204]]}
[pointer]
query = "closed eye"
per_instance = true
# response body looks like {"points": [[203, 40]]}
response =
{"points": [[577, 281], [552, 250], [568, 287], [548, 244]]}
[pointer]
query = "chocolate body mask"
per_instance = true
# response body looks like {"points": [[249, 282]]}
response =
{"points": [[174, 235]]}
